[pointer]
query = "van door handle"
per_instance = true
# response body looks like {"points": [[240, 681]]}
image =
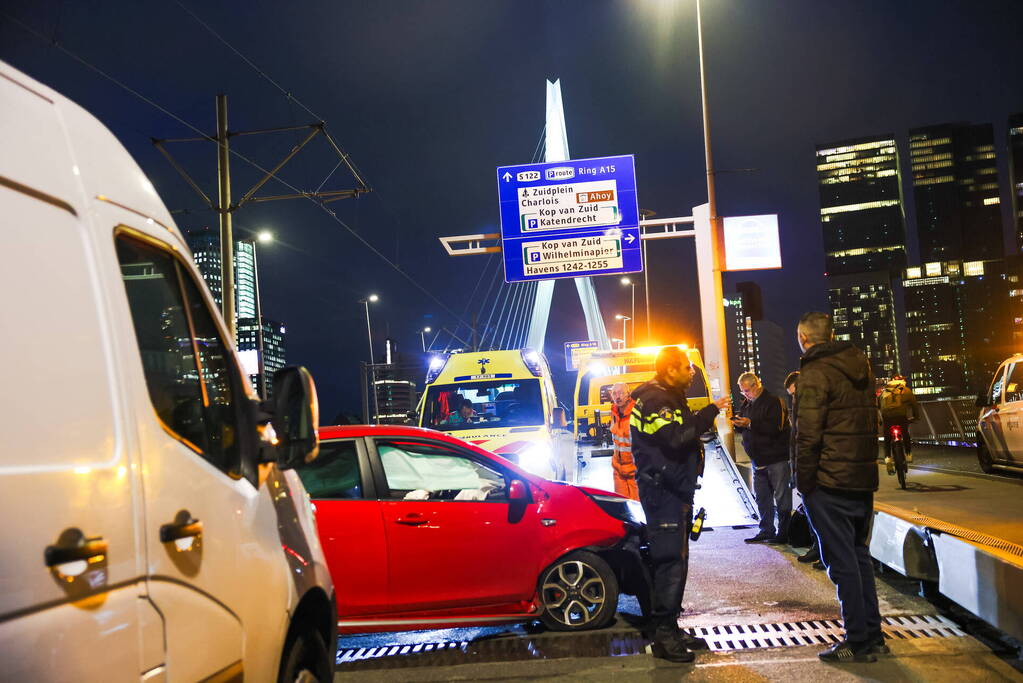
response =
{"points": [[178, 530], [85, 549], [412, 519]]}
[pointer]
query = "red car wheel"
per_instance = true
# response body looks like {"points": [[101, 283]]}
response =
{"points": [[579, 592]]}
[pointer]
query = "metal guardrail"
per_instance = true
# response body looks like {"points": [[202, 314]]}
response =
{"points": [[947, 422]]}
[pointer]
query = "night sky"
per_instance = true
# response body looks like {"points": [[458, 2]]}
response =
{"points": [[429, 97]]}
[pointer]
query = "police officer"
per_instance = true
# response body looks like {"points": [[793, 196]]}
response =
{"points": [[669, 458]]}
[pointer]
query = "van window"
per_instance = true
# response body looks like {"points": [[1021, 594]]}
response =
{"points": [[1014, 383], [419, 471], [996, 386], [334, 474], [186, 367], [493, 403]]}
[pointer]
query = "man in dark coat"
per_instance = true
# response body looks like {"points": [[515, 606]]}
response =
{"points": [[669, 457], [836, 471], [764, 426]]}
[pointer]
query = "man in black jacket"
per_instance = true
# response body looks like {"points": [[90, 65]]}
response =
{"points": [[836, 471], [764, 426], [669, 458]]}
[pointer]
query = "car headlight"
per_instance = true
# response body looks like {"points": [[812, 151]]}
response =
{"points": [[625, 509], [535, 459]]}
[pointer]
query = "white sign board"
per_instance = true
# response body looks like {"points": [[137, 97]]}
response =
{"points": [[751, 242]]}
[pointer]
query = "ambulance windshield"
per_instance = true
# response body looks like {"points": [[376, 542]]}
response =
{"points": [[483, 405]]}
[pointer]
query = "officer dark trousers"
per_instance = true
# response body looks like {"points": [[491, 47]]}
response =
{"points": [[668, 520]]}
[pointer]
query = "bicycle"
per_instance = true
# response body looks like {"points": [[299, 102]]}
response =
{"points": [[898, 449]]}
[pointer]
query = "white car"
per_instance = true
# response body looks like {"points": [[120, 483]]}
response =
{"points": [[151, 530], [1000, 422]]}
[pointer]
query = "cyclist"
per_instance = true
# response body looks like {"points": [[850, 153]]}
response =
{"points": [[898, 406]]}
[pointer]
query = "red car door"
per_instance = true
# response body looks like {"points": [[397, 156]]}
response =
{"points": [[454, 541], [350, 525]]}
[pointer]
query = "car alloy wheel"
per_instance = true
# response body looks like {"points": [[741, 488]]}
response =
{"points": [[579, 592]]}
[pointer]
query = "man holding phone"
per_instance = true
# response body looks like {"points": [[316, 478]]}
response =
{"points": [[762, 421]]}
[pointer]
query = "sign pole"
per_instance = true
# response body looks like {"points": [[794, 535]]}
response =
{"points": [[714, 338]]}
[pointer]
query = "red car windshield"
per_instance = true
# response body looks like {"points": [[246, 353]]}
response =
{"points": [[483, 404]]}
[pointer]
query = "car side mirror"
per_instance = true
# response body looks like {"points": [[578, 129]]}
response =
{"points": [[984, 400], [517, 491], [296, 416]]}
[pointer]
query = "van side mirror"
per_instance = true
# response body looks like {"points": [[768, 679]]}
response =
{"points": [[517, 491], [296, 417], [984, 400]]}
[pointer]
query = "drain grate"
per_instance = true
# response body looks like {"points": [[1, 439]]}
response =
{"points": [[819, 632], [617, 644]]}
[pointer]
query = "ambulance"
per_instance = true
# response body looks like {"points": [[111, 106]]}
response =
{"points": [[502, 401], [599, 370]]}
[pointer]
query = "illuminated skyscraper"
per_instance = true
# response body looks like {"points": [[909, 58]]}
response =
{"points": [[956, 192], [863, 223], [958, 321], [863, 312], [861, 206], [205, 246], [1016, 174], [754, 345], [273, 350]]}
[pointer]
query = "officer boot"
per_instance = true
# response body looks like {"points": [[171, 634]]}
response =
{"points": [[668, 643]]}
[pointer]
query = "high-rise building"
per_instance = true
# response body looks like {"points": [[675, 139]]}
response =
{"points": [[861, 206], [863, 312], [1016, 174], [774, 367], [273, 350], [205, 246], [245, 279], [956, 192], [958, 317], [753, 345]]}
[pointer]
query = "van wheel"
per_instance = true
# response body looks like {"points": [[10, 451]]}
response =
{"points": [[984, 457], [579, 592], [305, 659]]}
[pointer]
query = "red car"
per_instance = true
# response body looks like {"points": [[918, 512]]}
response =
{"points": [[422, 530]]}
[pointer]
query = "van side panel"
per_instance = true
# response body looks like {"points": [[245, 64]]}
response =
{"points": [[65, 469]]}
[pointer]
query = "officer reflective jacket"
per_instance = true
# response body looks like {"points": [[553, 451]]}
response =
{"points": [[666, 439]]}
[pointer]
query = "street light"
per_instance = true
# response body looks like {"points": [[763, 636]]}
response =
{"points": [[265, 236], [627, 282], [372, 375], [624, 319], [372, 298], [422, 336]]}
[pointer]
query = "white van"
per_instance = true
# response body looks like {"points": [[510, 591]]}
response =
{"points": [[148, 534], [1000, 422]]}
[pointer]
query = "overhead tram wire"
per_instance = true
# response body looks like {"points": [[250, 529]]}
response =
{"points": [[235, 153]]}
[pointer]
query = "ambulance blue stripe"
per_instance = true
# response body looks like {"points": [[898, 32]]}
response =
{"points": [[499, 375]]}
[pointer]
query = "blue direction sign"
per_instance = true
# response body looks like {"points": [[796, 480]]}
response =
{"points": [[573, 351], [569, 219]]}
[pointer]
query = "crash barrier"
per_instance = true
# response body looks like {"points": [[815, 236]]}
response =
{"points": [[981, 573], [946, 422]]}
